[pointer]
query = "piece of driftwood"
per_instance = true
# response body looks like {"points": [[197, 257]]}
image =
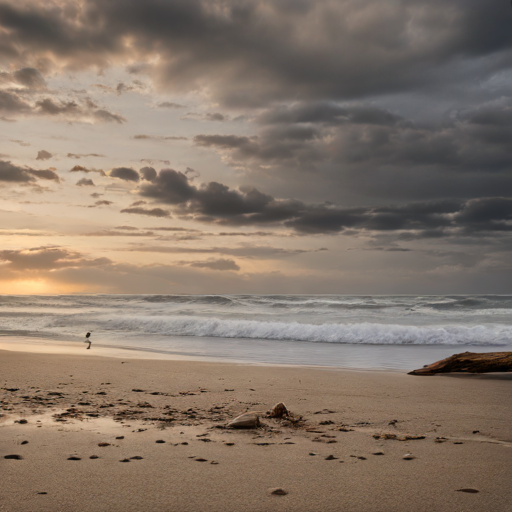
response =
{"points": [[469, 362]]}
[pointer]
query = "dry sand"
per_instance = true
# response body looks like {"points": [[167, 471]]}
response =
{"points": [[73, 404]]}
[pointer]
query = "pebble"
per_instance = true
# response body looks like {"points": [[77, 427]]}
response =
{"points": [[103, 444], [330, 457], [408, 456], [120, 437], [378, 453], [160, 441], [473, 491], [13, 457], [125, 460], [22, 422], [24, 442], [74, 458], [137, 457], [93, 457], [201, 460]]}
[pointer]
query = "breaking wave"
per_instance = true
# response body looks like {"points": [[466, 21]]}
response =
{"points": [[357, 333]]}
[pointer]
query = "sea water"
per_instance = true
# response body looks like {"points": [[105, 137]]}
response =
{"points": [[365, 332]]}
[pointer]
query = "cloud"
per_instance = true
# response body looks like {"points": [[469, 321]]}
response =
{"points": [[158, 137], [46, 258], [15, 174], [216, 203], [220, 264], [125, 173], [169, 104], [85, 182], [103, 202], [206, 116], [17, 103], [373, 153], [43, 155], [153, 212], [263, 51], [81, 168], [78, 156], [148, 173]]}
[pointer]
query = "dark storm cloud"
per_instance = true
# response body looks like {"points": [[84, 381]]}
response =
{"points": [[370, 151], [216, 203], [15, 174], [249, 52], [153, 212], [125, 173]]}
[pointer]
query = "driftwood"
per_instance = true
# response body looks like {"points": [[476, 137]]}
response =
{"points": [[469, 362]]}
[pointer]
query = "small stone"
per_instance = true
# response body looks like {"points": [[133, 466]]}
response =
{"points": [[458, 442], [160, 441], [408, 456], [24, 442], [229, 444], [13, 457], [278, 491], [42, 493], [330, 457], [312, 454], [93, 457], [23, 422], [213, 462], [137, 457], [125, 460], [120, 437], [201, 460], [74, 458], [103, 444], [378, 453], [361, 458], [184, 443], [473, 491], [476, 431]]}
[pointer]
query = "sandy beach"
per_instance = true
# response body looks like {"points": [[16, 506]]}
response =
{"points": [[90, 433]]}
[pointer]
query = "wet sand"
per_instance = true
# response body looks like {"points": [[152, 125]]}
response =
{"points": [[344, 451]]}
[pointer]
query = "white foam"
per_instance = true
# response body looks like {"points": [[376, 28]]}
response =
{"points": [[364, 333]]}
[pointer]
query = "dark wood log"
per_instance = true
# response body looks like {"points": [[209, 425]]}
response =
{"points": [[469, 362]]}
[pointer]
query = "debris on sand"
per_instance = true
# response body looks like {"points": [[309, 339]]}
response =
{"points": [[246, 420], [278, 491], [469, 362], [278, 411]]}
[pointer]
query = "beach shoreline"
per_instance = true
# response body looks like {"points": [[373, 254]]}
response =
{"points": [[459, 435]]}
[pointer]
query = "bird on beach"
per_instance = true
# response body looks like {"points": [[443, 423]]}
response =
{"points": [[87, 336]]}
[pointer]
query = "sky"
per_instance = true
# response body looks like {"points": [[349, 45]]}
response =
{"points": [[263, 146]]}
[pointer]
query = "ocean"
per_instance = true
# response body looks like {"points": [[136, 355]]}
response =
{"points": [[360, 332]]}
